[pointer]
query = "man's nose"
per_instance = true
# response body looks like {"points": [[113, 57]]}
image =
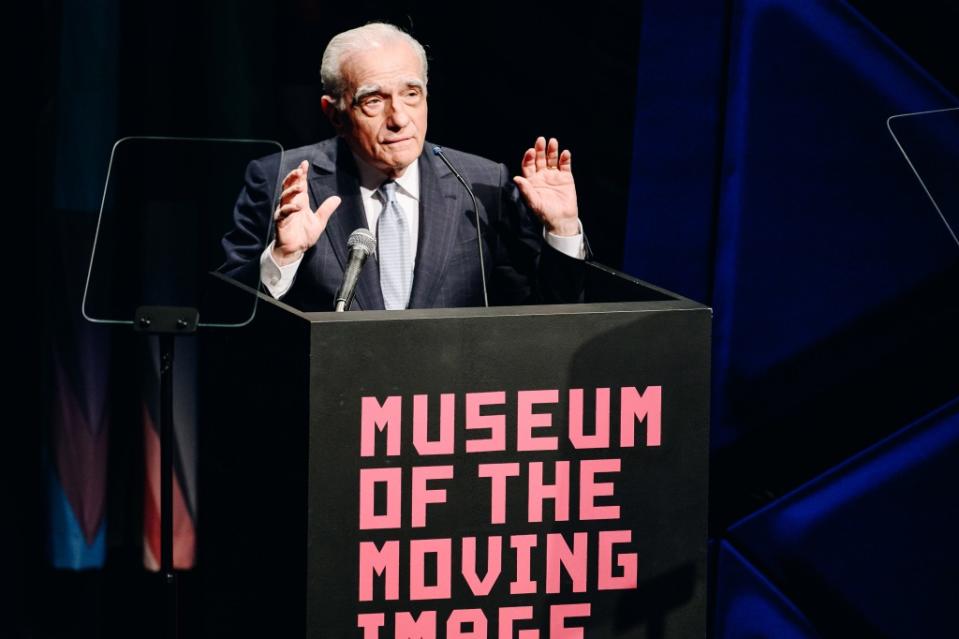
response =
{"points": [[397, 116]]}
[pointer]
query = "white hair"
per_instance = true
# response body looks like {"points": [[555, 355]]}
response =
{"points": [[375, 35]]}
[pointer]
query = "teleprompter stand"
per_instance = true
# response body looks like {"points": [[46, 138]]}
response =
{"points": [[153, 267], [167, 323]]}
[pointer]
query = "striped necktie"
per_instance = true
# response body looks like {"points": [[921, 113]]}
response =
{"points": [[393, 250]]}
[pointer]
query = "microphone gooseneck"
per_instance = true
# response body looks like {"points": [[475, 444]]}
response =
{"points": [[438, 152], [361, 244]]}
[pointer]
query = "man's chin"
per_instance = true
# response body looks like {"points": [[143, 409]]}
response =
{"points": [[398, 162]]}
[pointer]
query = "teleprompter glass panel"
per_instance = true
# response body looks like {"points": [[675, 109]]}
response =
{"points": [[166, 206], [929, 142]]}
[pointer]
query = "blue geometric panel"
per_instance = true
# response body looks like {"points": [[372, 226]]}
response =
{"points": [[748, 605], [669, 231], [822, 226], [870, 547]]}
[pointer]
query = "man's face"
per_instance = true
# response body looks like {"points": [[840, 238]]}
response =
{"points": [[385, 118]]}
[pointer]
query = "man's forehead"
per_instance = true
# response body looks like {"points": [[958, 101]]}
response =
{"points": [[389, 64]]}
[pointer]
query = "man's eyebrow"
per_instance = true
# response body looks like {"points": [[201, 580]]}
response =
{"points": [[365, 90], [370, 89]]}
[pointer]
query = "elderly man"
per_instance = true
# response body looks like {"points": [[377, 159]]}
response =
{"points": [[375, 174]]}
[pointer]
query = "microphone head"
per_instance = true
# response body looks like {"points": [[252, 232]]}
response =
{"points": [[363, 240], [437, 150]]}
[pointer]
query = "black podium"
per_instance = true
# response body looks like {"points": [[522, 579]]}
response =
{"points": [[536, 471]]}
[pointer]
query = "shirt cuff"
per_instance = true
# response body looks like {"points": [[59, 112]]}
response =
{"points": [[570, 245], [277, 279]]}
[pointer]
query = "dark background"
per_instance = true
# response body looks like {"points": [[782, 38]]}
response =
{"points": [[732, 151]]}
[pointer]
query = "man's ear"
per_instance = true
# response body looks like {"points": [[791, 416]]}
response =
{"points": [[333, 114]]}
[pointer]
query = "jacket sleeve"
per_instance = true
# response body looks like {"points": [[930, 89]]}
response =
{"points": [[244, 242]]}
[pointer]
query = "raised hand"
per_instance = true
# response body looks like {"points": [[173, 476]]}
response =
{"points": [[297, 227], [548, 188]]}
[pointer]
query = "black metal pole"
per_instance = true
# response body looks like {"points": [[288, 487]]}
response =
{"points": [[166, 483], [167, 322]]}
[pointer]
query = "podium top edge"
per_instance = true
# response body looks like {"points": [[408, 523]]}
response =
{"points": [[676, 304], [501, 311]]}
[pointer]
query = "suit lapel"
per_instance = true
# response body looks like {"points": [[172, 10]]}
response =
{"points": [[335, 174], [438, 196]]}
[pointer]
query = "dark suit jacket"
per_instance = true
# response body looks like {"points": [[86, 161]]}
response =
{"points": [[521, 267]]}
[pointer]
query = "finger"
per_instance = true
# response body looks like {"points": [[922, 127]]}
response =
{"points": [[566, 161], [288, 193], [326, 209], [527, 191], [552, 154], [528, 167], [291, 178], [295, 174], [285, 211], [540, 147]]}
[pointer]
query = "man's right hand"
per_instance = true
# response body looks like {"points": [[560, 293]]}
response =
{"points": [[297, 227]]}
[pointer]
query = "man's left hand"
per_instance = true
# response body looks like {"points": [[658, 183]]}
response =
{"points": [[548, 188]]}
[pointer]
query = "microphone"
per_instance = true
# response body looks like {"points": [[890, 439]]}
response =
{"points": [[361, 244], [438, 152]]}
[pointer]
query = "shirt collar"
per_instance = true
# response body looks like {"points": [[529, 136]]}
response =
{"points": [[371, 178]]}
